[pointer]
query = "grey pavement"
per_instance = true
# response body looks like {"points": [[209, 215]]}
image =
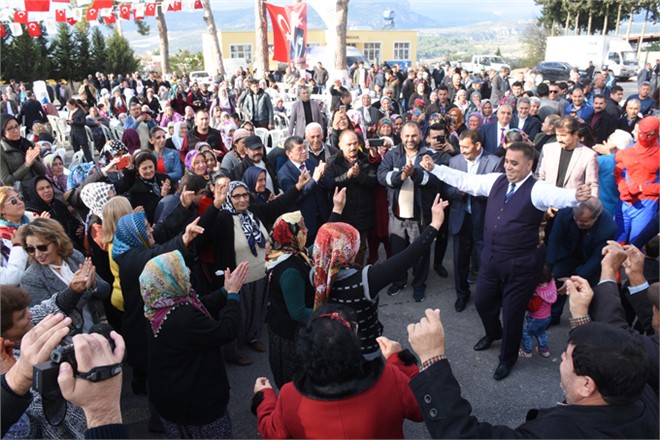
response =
{"points": [[533, 383]]}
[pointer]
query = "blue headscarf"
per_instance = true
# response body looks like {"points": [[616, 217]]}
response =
{"points": [[130, 233], [79, 173], [250, 179], [249, 222]]}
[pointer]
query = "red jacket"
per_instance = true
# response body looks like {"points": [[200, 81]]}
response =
{"points": [[377, 412], [636, 173]]}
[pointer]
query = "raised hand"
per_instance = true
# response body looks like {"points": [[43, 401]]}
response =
{"points": [[438, 212], [579, 296], [192, 231], [186, 197], [302, 180]]}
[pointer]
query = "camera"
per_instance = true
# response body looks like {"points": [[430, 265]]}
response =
{"points": [[376, 142], [44, 378], [441, 138]]}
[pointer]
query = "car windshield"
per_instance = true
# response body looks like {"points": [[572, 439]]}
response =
{"points": [[629, 58]]}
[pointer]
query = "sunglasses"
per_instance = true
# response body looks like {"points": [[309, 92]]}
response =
{"points": [[15, 200], [554, 91], [40, 247]]}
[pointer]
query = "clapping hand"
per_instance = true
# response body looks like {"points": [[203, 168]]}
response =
{"points": [[234, 279], [319, 171]]}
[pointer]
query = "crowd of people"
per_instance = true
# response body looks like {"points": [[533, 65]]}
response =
{"points": [[199, 239]]}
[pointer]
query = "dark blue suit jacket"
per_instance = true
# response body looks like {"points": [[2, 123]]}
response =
{"points": [[490, 138], [313, 199], [487, 164], [531, 127]]}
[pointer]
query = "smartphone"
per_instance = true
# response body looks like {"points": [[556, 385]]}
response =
{"points": [[123, 163], [376, 142]]}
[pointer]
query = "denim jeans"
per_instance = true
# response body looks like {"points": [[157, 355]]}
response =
{"points": [[535, 328]]}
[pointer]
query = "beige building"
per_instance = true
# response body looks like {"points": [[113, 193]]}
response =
{"points": [[377, 45]]}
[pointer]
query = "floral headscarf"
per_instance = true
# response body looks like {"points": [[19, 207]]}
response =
{"points": [[95, 196], [190, 160], [226, 129], [79, 174], [58, 182], [288, 239], [335, 247], [249, 223], [130, 233], [384, 121], [165, 284]]}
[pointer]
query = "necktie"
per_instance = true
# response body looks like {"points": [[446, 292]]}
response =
{"points": [[302, 167], [512, 188], [502, 136]]}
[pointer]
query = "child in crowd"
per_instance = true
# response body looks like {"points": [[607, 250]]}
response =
{"points": [[538, 316]]}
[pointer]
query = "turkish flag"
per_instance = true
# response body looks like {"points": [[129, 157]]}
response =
{"points": [[150, 10], [3, 32], [198, 4], [20, 17], [125, 12], [174, 6], [37, 5], [71, 20], [92, 14], [33, 29], [60, 15], [110, 19], [289, 31], [102, 4]]}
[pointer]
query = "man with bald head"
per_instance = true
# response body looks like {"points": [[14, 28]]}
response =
{"points": [[356, 171]]}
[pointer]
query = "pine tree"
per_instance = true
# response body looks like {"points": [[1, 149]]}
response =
{"points": [[98, 55], [82, 66], [63, 49], [24, 63], [120, 56]]}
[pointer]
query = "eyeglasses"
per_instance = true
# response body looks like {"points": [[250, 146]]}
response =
{"points": [[554, 91], [12, 128], [240, 196], [15, 200], [40, 247]]}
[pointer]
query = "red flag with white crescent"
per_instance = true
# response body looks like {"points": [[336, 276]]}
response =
{"points": [[174, 6], [289, 31], [110, 19], [198, 4], [92, 14], [21, 17], [71, 20], [102, 4], [33, 29], [150, 10], [125, 12], [60, 15]]}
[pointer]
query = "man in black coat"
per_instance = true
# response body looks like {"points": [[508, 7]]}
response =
{"points": [[603, 373], [31, 111], [601, 122]]}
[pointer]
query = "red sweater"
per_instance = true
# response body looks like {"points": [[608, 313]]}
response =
{"points": [[636, 173], [377, 412]]}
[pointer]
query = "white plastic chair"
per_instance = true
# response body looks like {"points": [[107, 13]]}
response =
{"points": [[263, 134]]}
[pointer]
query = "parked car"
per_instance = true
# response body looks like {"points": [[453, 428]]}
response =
{"points": [[554, 70]]}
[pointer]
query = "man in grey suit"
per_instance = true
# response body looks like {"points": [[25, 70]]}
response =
{"points": [[303, 112], [467, 213]]}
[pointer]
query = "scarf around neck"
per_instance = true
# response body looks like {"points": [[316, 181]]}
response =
{"points": [[250, 224]]}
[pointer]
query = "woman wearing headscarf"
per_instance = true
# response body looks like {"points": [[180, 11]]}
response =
{"points": [[178, 138], [42, 199], [290, 294], [148, 186], [20, 161], [487, 111], [239, 234], [131, 139], [336, 393], [95, 196], [255, 179], [337, 279], [227, 129], [475, 121], [474, 104], [185, 336], [133, 246], [237, 153], [397, 124], [217, 118], [55, 174], [196, 164]]}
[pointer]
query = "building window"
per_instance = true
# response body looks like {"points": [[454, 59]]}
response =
{"points": [[401, 51], [241, 51], [372, 52], [350, 44]]}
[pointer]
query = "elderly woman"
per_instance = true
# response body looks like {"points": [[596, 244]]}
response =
{"points": [[475, 103], [55, 174], [167, 160], [56, 267], [547, 133], [12, 218], [475, 121], [42, 199], [290, 293], [196, 164], [148, 186], [461, 100], [239, 234], [20, 161], [337, 280], [255, 179], [337, 393], [133, 246], [237, 153], [186, 333]]}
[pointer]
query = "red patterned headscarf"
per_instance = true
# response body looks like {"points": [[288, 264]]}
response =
{"points": [[335, 247]]}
